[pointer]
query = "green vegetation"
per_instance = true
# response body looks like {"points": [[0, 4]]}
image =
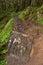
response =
{"points": [[40, 20], [4, 35], [31, 12], [23, 13], [5, 32], [3, 62]]}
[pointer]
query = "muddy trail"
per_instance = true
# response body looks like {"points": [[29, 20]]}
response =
{"points": [[37, 57], [25, 44]]}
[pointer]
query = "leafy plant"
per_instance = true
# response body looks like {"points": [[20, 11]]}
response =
{"points": [[4, 38], [6, 31], [3, 62]]}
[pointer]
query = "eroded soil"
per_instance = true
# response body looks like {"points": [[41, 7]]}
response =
{"points": [[37, 58]]}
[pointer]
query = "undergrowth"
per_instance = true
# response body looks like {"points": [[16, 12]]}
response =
{"points": [[6, 31], [3, 62], [4, 35], [40, 20]]}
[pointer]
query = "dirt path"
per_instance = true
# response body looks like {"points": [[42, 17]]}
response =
{"points": [[33, 30], [37, 58]]}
